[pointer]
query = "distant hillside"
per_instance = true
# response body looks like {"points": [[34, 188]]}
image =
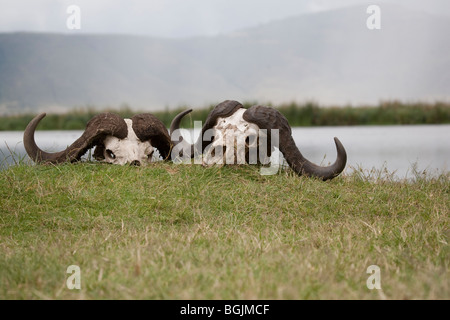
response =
{"points": [[330, 57]]}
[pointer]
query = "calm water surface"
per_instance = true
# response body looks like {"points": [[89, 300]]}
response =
{"points": [[396, 148]]}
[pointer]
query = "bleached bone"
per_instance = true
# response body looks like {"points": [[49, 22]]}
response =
{"points": [[229, 122], [117, 141], [234, 140]]}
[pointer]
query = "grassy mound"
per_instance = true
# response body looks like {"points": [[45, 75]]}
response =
{"points": [[185, 232]]}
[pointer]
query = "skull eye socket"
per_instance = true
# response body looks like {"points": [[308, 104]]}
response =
{"points": [[150, 155], [110, 154]]}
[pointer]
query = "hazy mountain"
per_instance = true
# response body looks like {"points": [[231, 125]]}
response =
{"points": [[330, 57]]}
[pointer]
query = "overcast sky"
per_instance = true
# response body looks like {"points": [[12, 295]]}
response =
{"points": [[172, 18]]}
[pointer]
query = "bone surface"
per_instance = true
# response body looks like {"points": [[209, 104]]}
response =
{"points": [[230, 143], [116, 140], [232, 128], [130, 150]]}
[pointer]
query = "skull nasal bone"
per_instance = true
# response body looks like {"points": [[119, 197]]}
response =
{"points": [[136, 163]]}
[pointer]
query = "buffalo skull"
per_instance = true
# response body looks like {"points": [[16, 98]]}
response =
{"points": [[117, 141], [230, 121]]}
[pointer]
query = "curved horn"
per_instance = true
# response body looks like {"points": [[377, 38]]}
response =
{"points": [[148, 127], [98, 127], [175, 125], [269, 118]]}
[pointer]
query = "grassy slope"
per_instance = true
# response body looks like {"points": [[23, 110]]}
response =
{"points": [[176, 232]]}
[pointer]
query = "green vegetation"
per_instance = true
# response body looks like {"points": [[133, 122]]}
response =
{"points": [[185, 232], [387, 113], [307, 114]]}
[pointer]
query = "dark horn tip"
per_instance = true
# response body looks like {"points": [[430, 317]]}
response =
{"points": [[341, 160], [31, 148], [177, 120], [33, 124], [185, 112], [340, 147], [40, 116]]}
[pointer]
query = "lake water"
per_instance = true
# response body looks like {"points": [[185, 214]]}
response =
{"points": [[395, 148]]}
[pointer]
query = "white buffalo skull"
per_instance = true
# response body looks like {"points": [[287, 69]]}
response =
{"points": [[130, 150], [229, 124], [235, 141], [117, 141]]}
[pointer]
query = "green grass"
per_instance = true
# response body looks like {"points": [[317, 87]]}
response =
{"points": [[298, 114], [185, 232]]}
